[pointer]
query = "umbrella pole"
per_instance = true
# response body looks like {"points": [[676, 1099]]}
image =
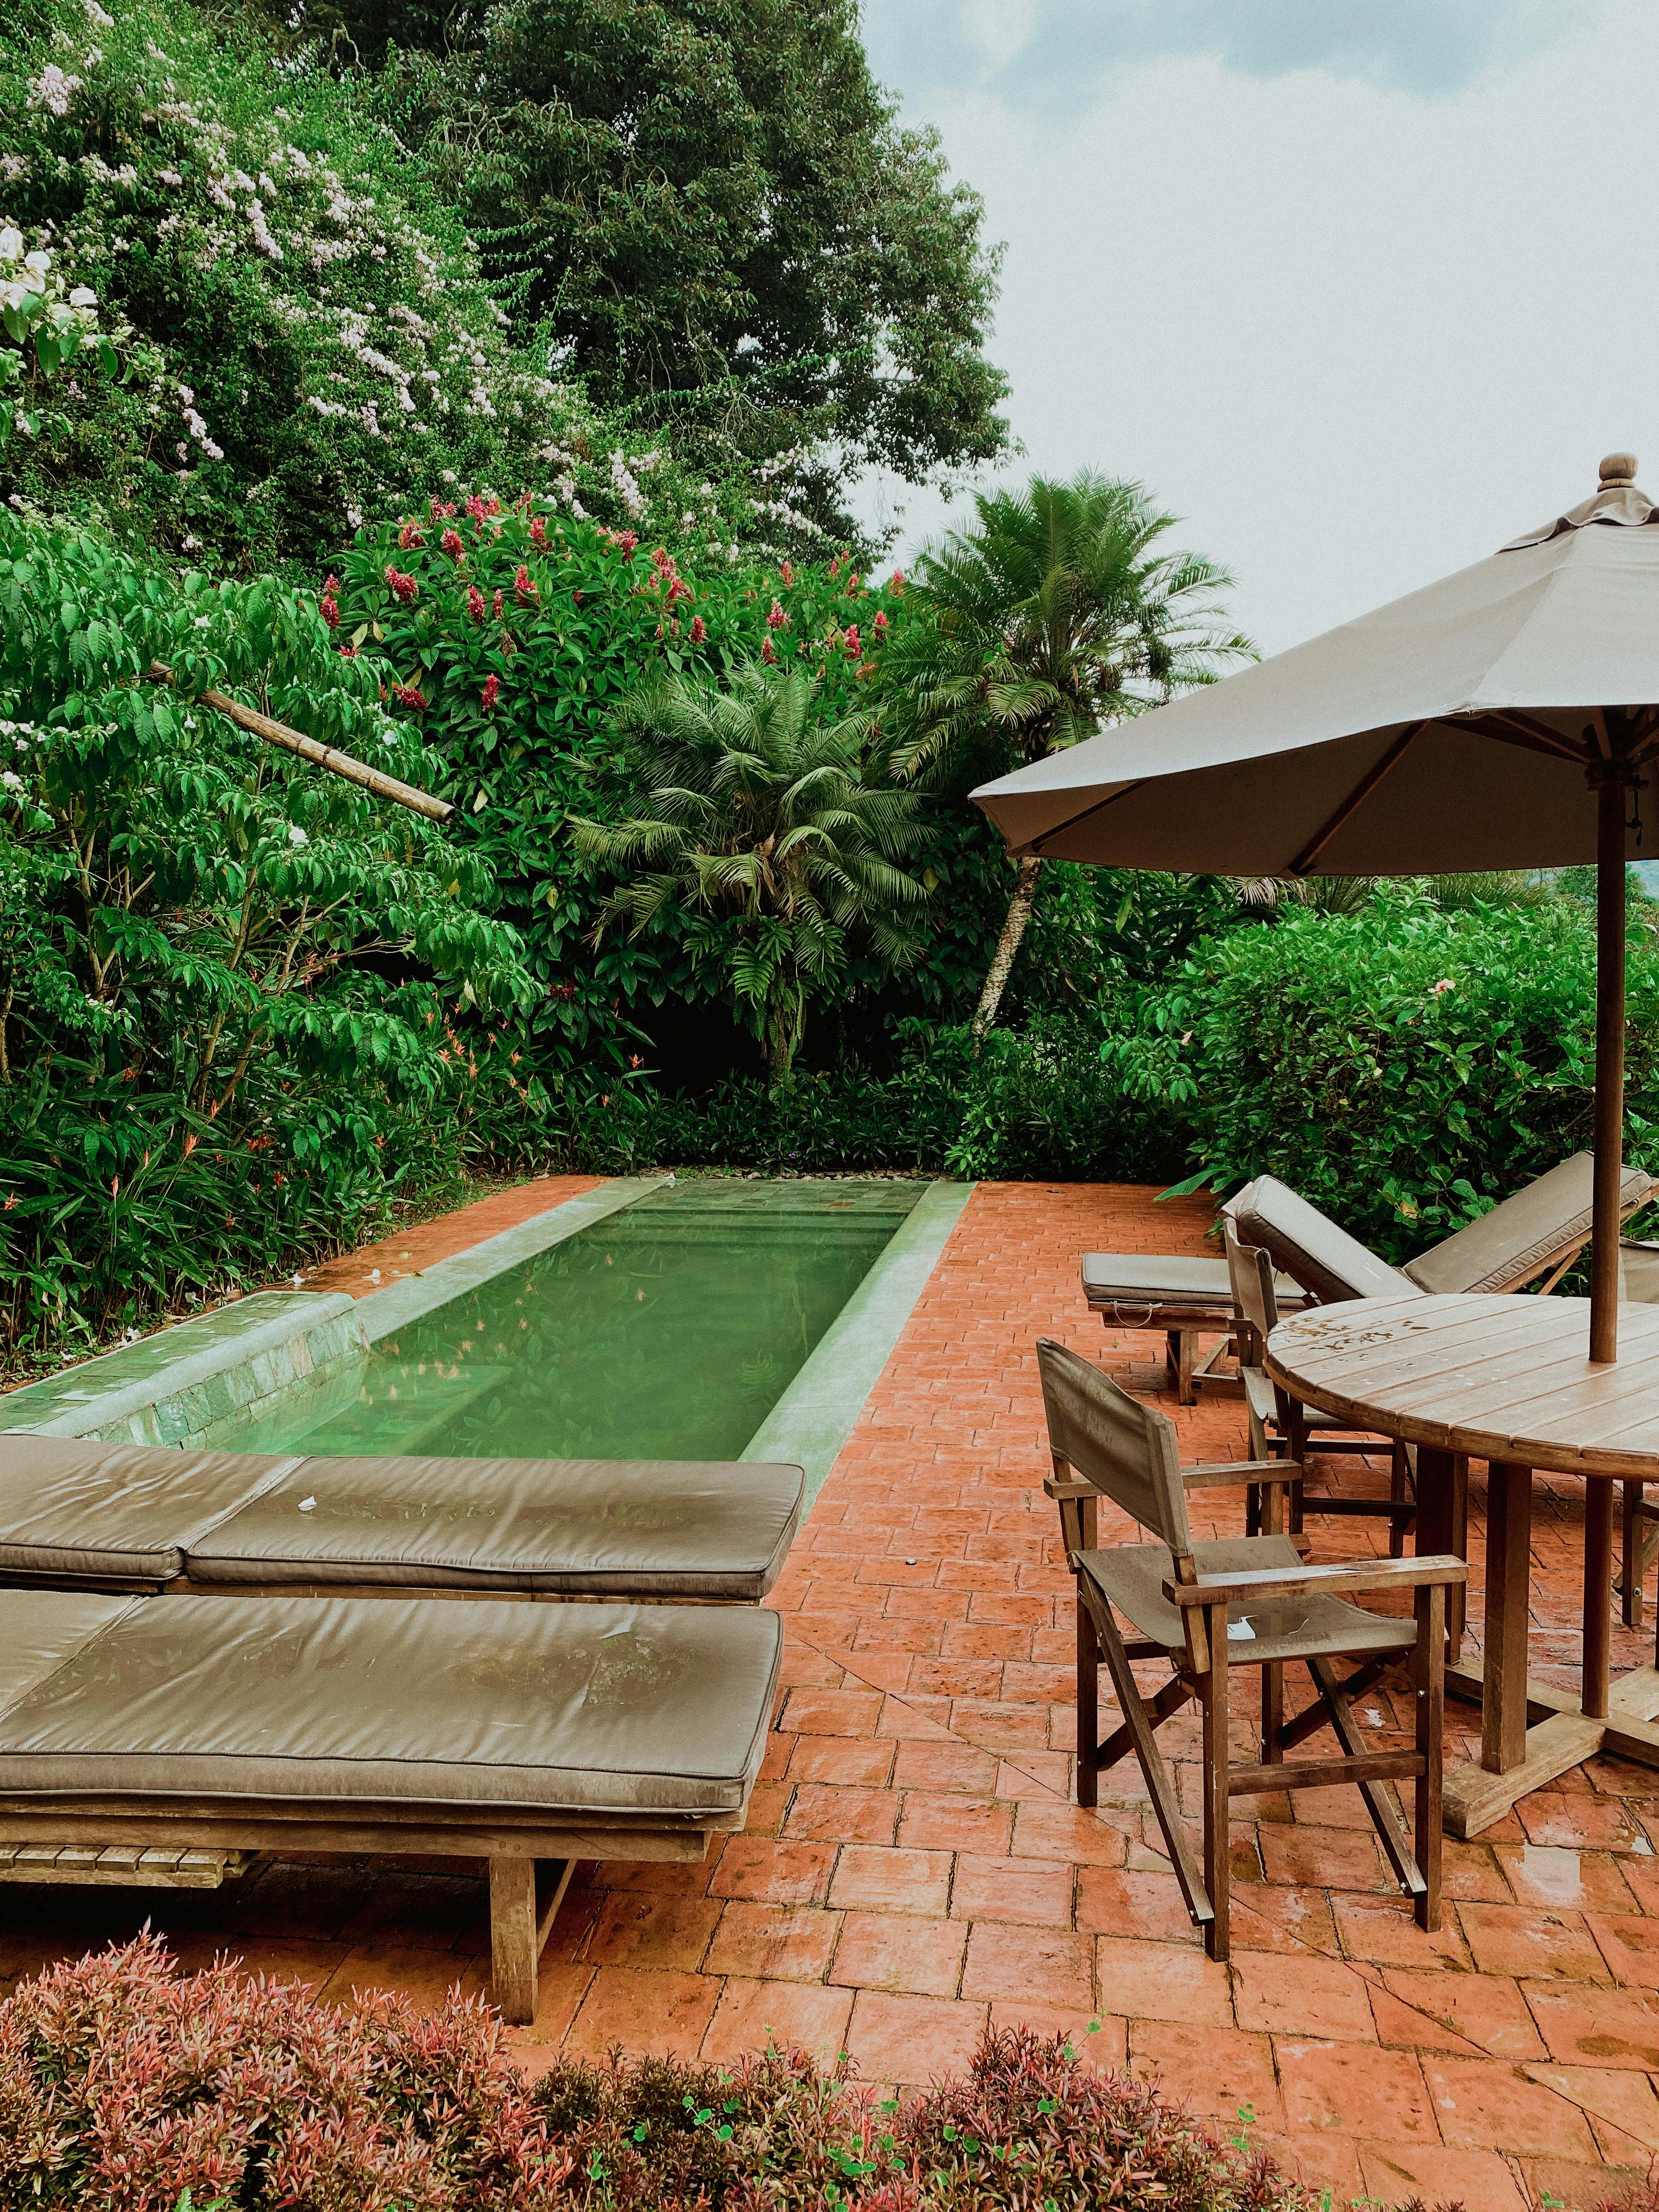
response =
{"points": [[1609, 1068]]}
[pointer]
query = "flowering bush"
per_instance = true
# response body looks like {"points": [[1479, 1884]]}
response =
{"points": [[51, 324], [228, 979], [513, 632], [307, 333], [123, 2085]]}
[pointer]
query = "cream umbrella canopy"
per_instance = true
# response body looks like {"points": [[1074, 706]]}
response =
{"points": [[1506, 717]]}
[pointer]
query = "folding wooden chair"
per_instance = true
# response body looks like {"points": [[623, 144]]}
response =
{"points": [[1281, 1427], [1208, 1608]]}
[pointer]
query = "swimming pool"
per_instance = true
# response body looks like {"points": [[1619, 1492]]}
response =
{"points": [[669, 1330]]}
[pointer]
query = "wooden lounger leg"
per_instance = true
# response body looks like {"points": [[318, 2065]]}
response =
{"points": [[521, 1910], [1088, 1707]]}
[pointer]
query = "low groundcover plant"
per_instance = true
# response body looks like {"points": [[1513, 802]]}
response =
{"points": [[127, 2085]]}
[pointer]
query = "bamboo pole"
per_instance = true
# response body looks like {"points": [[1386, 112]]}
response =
{"points": [[313, 749]]}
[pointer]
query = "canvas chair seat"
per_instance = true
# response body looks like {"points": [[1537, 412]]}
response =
{"points": [[1132, 1280], [1133, 1579]]}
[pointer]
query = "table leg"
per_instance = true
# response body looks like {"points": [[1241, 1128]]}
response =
{"points": [[1598, 1595], [1508, 1589]]}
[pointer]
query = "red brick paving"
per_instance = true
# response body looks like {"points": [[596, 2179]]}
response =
{"points": [[374, 1266], [914, 1866]]}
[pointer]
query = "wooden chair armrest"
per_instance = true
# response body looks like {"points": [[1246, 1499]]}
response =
{"points": [[1260, 1393], [1218, 1476], [1056, 1488], [1319, 1581]]}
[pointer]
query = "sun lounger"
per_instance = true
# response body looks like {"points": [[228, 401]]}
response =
{"points": [[1540, 1232], [82, 1513], [528, 1735]]}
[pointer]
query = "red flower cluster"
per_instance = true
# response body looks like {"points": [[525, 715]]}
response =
{"points": [[854, 650], [699, 630], [492, 691], [474, 507], [895, 583], [348, 652], [538, 531], [881, 625], [410, 694], [475, 603], [623, 540], [439, 508], [405, 586], [328, 607], [497, 603], [410, 536], [787, 574], [769, 653], [523, 590], [852, 583], [777, 619], [450, 543], [679, 589]]}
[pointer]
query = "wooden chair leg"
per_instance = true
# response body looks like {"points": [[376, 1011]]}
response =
{"points": [[1217, 1838], [1161, 1788], [1458, 1606], [1186, 1359], [1387, 1818], [1632, 1562], [1397, 1499], [1429, 1675], [1296, 1449], [1272, 1714], [1088, 1708]]}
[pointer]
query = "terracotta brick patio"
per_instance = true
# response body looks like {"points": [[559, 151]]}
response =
{"points": [[913, 1865]]}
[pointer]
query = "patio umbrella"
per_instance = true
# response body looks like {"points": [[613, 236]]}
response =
{"points": [[1506, 717]]}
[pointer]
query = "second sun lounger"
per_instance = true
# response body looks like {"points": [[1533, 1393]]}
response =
{"points": [[530, 1736], [1538, 1231], [80, 1514]]}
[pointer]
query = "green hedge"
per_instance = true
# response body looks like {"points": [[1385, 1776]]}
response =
{"points": [[1404, 1067]]}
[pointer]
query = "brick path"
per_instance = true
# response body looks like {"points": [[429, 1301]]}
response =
{"points": [[913, 1865]]}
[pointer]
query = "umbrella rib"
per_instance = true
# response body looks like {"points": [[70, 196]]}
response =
{"points": [[1036, 844], [1517, 730], [1356, 799]]}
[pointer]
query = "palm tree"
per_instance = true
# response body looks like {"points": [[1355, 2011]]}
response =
{"points": [[762, 838], [1056, 613]]}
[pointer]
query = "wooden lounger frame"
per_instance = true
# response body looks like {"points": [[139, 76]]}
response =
{"points": [[531, 1862]]}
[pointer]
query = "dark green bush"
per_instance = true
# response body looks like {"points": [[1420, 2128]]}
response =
{"points": [[229, 981], [1403, 1067]]}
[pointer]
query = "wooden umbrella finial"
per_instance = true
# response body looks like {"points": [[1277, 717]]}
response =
{"points": [[1619, 469]]}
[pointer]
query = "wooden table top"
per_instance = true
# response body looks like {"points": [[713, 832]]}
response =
{"points": [[1500, 1377]]}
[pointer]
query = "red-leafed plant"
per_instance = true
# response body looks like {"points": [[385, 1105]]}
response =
{"points": [[126, 2086]]}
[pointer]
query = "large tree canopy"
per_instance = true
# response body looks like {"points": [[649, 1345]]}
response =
{"points": [[714, 212]]}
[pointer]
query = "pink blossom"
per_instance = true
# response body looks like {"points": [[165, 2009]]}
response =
{"points": [[450, 543], [405, 587], [699, 630], [496, 603], [491, 691], [410, 536], [854, 650], [538, 531], [440, 507], [330, 612], [787, 574], [476, 508], [475, 603], [882, 625], [777, 619], [409, 695], [769, 653], [523, 590]]}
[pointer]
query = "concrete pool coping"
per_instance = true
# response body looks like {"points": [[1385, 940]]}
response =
{"points": [[201, 1381], [816, 1413]]}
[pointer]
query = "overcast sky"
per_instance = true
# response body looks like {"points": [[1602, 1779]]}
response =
{"points": [[1359, 289]]}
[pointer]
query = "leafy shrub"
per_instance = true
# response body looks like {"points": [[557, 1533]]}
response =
{"points": [[1035, 1103], [124, 2084], [227, 980], [1403, 1068], [305, 334]]}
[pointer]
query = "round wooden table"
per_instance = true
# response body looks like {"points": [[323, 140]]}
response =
{"points": [[1507, 1379]]}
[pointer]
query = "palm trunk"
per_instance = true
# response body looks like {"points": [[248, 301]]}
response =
{"points": [[1013, 928]]}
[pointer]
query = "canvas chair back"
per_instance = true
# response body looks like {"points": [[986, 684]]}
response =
{"points": [[1124, 1449], [1251, 1274]]}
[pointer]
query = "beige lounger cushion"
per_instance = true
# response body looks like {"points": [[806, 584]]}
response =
{"points": [[647, 1528], [101, 1512], [1307, 1244], [606, 1711], [1518, 1238], [74, 1512], [1133, 1280], [1133, 1577]]}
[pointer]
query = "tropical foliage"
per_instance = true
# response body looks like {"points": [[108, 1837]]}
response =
{"points": [[767, 848], [227, 982], [1060, 610]]}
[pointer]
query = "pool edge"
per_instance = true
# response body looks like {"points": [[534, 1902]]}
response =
{"points": [[817, 1413], [447, 1280]]}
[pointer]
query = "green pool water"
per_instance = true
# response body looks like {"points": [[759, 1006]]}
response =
{"points": [[669, 1331]]}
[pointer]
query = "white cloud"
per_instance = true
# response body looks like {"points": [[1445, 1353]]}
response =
{"points": [[1356, 338]]}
